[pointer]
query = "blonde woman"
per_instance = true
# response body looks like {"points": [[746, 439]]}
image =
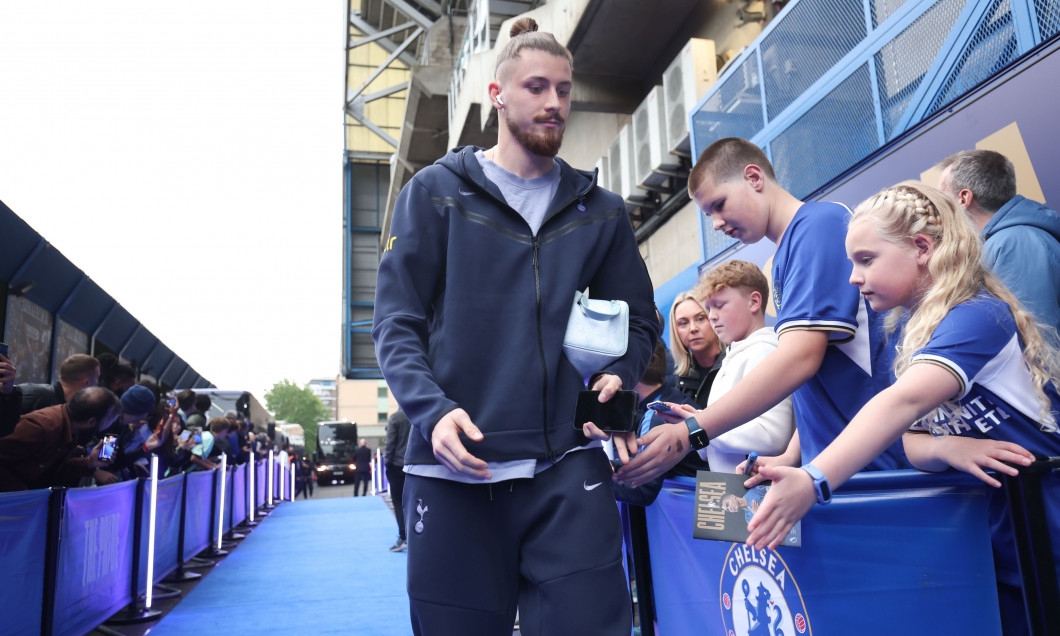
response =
{"points": [[695, 347]]}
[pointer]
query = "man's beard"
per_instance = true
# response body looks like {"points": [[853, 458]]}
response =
{"points": [[544, 144]]}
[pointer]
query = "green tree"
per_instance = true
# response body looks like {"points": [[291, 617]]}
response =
{"points": [[297, 405]]}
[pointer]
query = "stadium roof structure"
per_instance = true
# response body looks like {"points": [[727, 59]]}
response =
{"points": [[35, 270]]}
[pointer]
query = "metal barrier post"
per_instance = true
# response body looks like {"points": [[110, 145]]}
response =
{"points": [[1041, 597], [252, 494], [271, 472], [56, 502], [638, 533], [153, 504], [135, 612]]}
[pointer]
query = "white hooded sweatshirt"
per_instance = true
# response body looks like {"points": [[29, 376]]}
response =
{"points": [[767, 434]]}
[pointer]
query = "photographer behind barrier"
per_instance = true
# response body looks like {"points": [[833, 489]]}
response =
{"points": [[43, 452]]}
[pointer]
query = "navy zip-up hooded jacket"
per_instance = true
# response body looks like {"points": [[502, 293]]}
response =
{"points": [[471, 307]]}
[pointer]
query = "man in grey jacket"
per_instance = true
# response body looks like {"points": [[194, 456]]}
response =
{"points": [[1021, 238]]}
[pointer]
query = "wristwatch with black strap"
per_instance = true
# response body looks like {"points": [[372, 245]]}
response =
{"points": [[697, 437]]}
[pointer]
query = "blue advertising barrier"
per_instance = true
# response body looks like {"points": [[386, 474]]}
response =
{"points": [[167, 530], [23, 543], [198, 513], [260, 483], [239, 495], [94, 577], [896, 552]]}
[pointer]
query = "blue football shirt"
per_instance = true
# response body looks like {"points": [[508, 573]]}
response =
{"points": [[978, 342], [812, 291]]}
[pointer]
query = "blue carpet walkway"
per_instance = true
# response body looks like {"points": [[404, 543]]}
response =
{"points": [[312, 567]]}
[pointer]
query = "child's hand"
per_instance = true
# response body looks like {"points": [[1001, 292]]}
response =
{"points": [[976, 456], [756, 471], [789, 499]]}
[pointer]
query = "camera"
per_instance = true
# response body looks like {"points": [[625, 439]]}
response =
{"points": [[107, 451]]}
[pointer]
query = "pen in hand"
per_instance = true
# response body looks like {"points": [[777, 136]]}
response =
{"points": [[750, 465]]}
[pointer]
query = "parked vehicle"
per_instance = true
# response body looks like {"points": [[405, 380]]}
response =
{"points": [[333, 458]]}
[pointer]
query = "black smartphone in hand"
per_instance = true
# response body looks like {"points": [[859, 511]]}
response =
{"points": [[617, 415]]}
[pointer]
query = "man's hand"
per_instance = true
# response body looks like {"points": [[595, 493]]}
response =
{"points": [[94, 459], [789, 499], [7, 375], [103, 478], [153, 442], [450, 451], [666, 445], [608, 385]]}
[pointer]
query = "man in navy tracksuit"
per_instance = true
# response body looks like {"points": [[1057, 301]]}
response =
{"points": [[508, 505]]}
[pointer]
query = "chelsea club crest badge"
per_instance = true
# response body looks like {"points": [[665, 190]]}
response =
{"points": [[759, 595]]}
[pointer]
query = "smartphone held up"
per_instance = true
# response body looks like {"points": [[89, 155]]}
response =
{"points": [[107, 450]]}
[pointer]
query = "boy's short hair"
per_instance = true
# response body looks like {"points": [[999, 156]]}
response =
{"points": [[656, 372], [737, 273], [77, 368], [725, 159], [218, 425]]}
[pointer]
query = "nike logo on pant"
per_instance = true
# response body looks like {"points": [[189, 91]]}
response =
{"points": [[586, 485]]}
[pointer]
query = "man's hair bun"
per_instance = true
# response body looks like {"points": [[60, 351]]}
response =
{"points": [[524, 35], [523, 25]]}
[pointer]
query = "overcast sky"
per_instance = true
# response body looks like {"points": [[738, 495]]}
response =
{"points": [[188, 157]]}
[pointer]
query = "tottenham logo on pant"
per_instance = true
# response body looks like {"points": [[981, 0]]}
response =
{"points": [[420, 510], [759, 595]]}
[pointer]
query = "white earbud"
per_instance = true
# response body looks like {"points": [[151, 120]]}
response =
{"points": [[500, 101]]}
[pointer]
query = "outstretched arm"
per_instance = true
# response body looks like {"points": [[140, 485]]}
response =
{"points": [[795, 360], [969, 454], [883, 419]]}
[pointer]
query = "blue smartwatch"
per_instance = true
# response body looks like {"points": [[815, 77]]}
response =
{"points": [[820, 483]]}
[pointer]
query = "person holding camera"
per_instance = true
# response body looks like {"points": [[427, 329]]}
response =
{"points": [[43, 452], [136, 440]]}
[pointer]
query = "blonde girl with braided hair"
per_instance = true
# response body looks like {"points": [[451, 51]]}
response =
{"points": [[976, 379]]}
